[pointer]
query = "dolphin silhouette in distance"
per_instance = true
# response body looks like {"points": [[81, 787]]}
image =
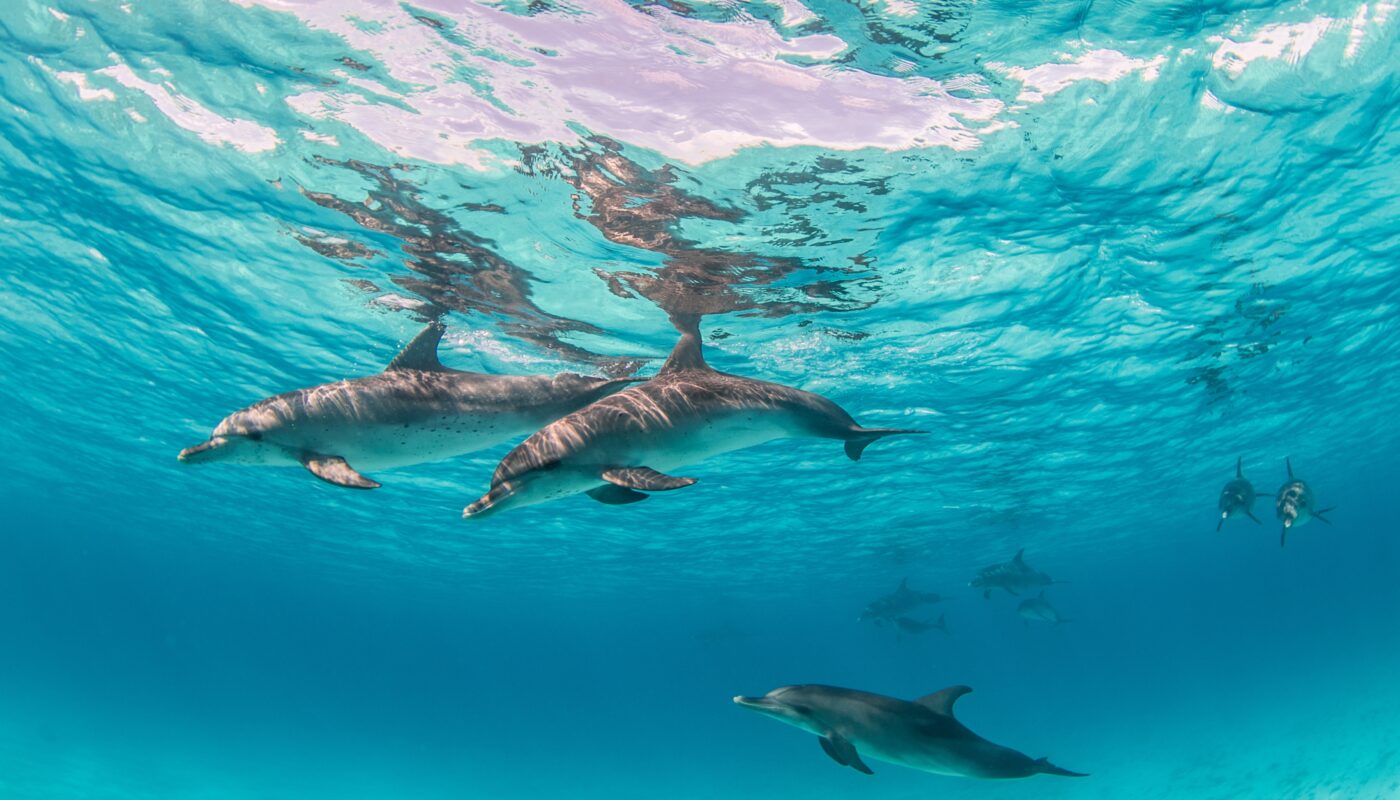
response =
{"points": [[1237, 497], [922, 734], [1294, 504], [622, 445], [415, 411], [1014, 576]]}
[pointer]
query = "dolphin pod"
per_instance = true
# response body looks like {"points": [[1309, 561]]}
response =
{"points": [[415, 411], [922, 734], [622, 446]]}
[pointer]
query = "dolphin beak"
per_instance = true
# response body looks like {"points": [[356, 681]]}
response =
{"points": [[202, 452], [489, 502], [754, 703]]}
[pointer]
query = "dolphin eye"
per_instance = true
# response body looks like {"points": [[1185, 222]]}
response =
{"points": [[254, 435]]}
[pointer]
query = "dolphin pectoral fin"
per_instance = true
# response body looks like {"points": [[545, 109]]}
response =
{"points": [[615, 495], [333, 469], [861, 438], [1283, 536], [1318, 514], [843, 752], [1250, 514], [645, 478]]}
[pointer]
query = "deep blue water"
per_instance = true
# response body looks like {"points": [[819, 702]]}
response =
{"points": [[1097, 250]]}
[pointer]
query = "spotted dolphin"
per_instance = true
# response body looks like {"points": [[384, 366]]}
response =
{"points": [[1295, 503], [1014, 576], [922, 734], [623, 445], [1237, 497], [415, 411], [1039, 609], [897, 603]]}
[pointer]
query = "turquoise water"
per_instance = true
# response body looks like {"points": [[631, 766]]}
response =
{"points": [[1097, 250]]}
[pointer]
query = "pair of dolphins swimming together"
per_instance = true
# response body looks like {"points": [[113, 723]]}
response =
{"points": [[613, 440], [1294, 504]]}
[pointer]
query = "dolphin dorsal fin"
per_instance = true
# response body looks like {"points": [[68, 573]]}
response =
{"points": [[421, 353], [688, 352], [904, 585], [941, 702], [1019, 553], [1239, 467]]}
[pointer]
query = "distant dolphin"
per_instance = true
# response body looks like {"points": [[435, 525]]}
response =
{"points": [[923, 734], [1038, 609], [417, 410], [687, 413], [1237, 497], [916, 626], [1294, 504], [897, 603], [1015, 576]]}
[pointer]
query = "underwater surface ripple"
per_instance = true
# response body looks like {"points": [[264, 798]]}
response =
{"points": [[1097, 250]]}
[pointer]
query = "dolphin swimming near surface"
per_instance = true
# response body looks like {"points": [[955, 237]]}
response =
{"points": [[922, 734], [417, 410], [897, 603], [1015, 576], [1294, 504], [1038, 609], [1237, 497], [623, 445]]}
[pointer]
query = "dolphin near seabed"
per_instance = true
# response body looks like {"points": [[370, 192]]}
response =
{"points": [[1237, 497], [623, 445], [415, 411], [1295, 504], [922, 734]]}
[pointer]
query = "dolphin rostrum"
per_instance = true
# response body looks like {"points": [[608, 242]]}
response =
{"points": [[1237, 497], [922, 734], [417, 410], [1294, 504], [897, 603], [623, 445], [1015, 576], [1038, 609]]}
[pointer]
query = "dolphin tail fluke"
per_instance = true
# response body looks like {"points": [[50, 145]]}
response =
{"points": [[1318, 514], [1043, 765], [861, 438], [1250, 514]]}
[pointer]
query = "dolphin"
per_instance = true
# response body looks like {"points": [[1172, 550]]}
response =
{"points": [[897, 603], [1294, 504], [1014, 576], [1237, 497], [623, 445], [417, 410], [1038, 609], [922, 734], [916, 626]]}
